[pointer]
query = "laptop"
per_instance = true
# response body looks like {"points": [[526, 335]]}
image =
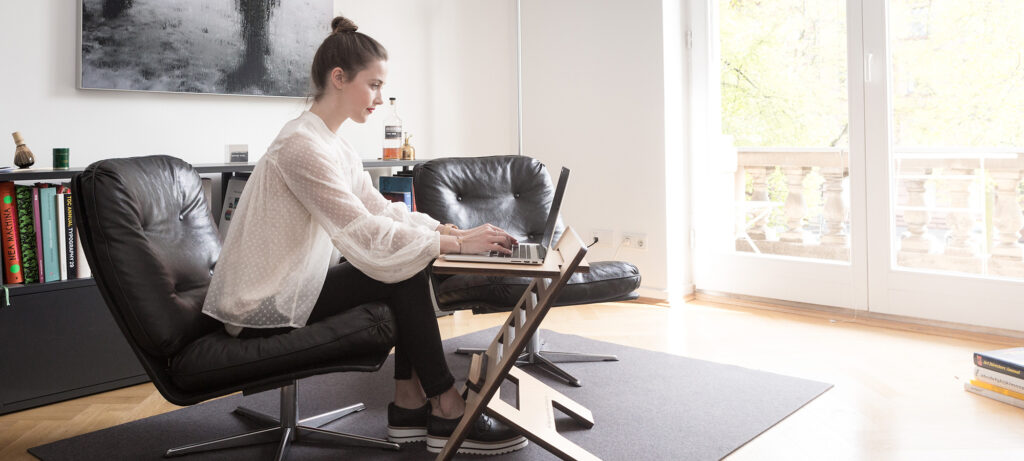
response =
{"points": [[525, 253]]}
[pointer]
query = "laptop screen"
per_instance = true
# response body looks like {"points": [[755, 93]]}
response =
{"points": [[556, 203]]}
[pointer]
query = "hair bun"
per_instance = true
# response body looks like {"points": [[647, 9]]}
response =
{"points": [[342, 24]]}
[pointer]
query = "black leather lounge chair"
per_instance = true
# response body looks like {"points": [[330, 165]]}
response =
{"points": [[512, 192], [151, 243]]}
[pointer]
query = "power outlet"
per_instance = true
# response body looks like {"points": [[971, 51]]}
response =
{"points": [[634, 240], [604, 237]]}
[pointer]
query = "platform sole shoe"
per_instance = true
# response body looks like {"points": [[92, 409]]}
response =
{"points": [[472, 447]]}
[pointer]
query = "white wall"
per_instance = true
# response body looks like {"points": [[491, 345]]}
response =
{"points": [[595, 101], [452, 68], [431, 60]]}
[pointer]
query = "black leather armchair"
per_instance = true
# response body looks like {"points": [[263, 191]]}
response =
{"points": [[151, 243], [515, 193]]}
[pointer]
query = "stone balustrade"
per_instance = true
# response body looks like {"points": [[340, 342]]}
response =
{"points": [[792, 236], [956, 211], [978, 196]]}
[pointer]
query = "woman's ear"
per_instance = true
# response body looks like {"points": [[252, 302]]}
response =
{"points": [[337, 77]]}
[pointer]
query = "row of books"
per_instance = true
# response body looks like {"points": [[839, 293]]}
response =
{"points": [[38, 233], [999, 375]]}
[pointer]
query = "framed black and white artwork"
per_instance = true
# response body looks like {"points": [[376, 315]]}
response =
{"points": [[250, 47]]}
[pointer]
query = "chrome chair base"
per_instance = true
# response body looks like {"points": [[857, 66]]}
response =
{"points": [[287, 429], [546, 360]]}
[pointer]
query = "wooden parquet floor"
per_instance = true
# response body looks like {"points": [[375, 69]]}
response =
{"points": [[898, 395]]}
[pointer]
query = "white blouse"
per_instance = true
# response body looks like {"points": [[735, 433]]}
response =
{"points": [[308, 195]]}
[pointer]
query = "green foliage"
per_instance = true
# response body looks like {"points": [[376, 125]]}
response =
{"points": [[783, 72], [958, 77], [958, 72]]}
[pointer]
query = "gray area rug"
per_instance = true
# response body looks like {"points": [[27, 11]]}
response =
{"points": [[649, 406]]}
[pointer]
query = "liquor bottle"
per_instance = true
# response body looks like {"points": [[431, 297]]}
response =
{"points": [[392, 134]]}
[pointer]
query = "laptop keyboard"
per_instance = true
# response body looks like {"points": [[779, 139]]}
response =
{"points": [[518, 252]]}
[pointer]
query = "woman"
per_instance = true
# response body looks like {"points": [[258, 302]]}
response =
{"points": [[309, 195]]}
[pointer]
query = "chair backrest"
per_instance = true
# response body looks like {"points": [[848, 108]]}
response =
{"points": [[150, 240], [513, 192]]}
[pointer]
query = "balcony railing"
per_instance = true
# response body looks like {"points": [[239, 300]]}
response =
{"points": [[954, 211], [790, 227], [977, 196]]}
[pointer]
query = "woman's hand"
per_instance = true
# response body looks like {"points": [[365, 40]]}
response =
{"points": [[485, 238]]}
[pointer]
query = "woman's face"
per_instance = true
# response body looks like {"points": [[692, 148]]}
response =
{"points": [[361, 95]]}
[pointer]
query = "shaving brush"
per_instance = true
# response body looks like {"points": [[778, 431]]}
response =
{"points": [[22, 155]]}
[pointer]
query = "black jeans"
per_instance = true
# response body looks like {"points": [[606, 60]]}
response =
{"points": [[418, 344]]}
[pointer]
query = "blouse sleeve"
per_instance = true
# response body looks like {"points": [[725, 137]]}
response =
{"points": [[383, 248], [378, 205]]}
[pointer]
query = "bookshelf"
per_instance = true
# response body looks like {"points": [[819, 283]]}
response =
{"points": [[58, 340]]}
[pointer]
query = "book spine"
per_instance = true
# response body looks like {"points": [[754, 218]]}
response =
{"points": [[1001, 366], [208, 193], [994, 388], [37, 227], [26, 234], [69, 238], [9, 234], [1004, 381], [47, 208], [84, 271], [61, 245], [232, 197], [993, 395]]}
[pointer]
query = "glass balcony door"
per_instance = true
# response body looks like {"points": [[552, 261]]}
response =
{"points": [[944, 107], [774, 217], [871, 156]]}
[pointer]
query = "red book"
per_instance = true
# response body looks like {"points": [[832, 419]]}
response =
{"points": [[9, 234]]}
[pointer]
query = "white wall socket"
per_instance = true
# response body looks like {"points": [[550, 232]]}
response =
{"points": [[634, 240], [604, 237]]}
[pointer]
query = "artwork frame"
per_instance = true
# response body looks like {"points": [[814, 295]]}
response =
{"points": [[224, 47]]}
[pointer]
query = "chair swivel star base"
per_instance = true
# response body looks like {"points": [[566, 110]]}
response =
{"points": [[546, 360], [287, 429]]}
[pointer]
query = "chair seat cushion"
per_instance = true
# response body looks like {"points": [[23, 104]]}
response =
{"points": [[359, 337], [606, 281]]}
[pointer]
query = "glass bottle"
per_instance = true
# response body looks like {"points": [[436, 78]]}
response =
{"points": [[408, 152], [392, 134]]}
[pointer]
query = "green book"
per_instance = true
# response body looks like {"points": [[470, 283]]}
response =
{"points": [[27, 232], [48, 213]]}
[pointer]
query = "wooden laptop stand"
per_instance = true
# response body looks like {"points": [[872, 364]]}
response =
{"points": [[535, 416]]}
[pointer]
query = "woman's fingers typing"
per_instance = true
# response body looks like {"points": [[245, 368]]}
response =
{"points": [[486, 238]]}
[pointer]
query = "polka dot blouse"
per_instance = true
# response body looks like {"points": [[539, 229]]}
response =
{"points": [[307, 196]]}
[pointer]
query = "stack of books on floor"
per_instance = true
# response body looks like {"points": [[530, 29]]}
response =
{"points": [[999, 375]]}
